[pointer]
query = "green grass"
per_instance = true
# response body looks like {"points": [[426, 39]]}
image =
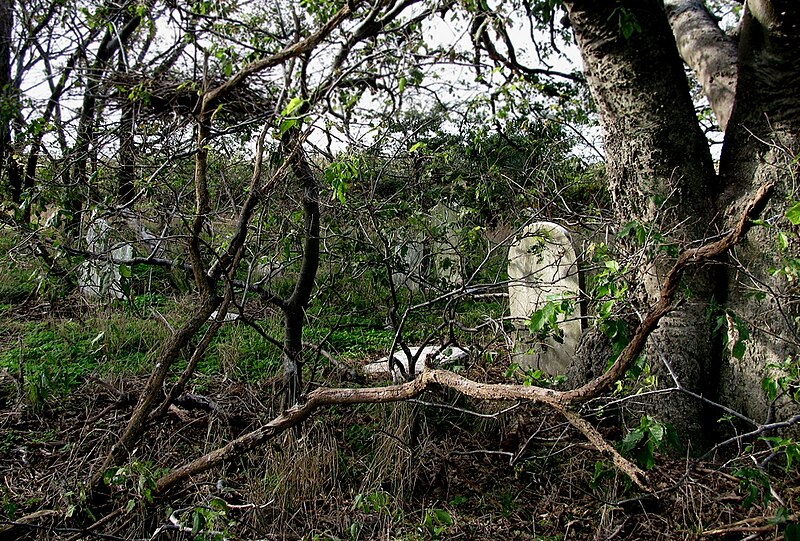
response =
{"points": [[124, 338], [16, 282], [56, 356], [352, 339], [53, 358], [242, 353]]}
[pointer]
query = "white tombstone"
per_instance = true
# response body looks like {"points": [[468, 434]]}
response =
{"points": [[542, 268], [444, 250], [447, 356], [101, 277], [414, 270]]}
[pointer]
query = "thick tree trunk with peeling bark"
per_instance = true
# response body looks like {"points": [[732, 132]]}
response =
{"points": [[753, 83], [660, 172], [708, 51]]}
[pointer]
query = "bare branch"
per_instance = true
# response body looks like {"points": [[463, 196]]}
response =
{"points": [[211, 97]]}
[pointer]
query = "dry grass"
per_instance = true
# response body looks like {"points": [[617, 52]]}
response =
{"points": [[380, 481]]}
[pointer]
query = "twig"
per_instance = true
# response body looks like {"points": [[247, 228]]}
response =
{"points": [[464, 410], [744, 526], [756, 432]]}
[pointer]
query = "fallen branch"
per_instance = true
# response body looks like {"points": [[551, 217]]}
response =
{"points": [[327, 397], [595, 438], [292, 417], [750, 525], [559, 400]]}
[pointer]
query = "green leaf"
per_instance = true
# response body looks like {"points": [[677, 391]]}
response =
{"points": [[293, 105], [197, 522], [770, 387], [633, 437], [538, 320], [645, 457], [738, 349], [783, 241], [792, 532], [443, 517], [657, 432], [793, 213], [287, 124], [401, 84]]}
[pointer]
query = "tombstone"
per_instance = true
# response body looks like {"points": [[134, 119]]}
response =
{"points": [[432, 256], [542, 268], [413, 264], [101, 277], [444, 249], [447, 356]]}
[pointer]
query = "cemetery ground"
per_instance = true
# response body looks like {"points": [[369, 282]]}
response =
{"points": [[439, 467]]}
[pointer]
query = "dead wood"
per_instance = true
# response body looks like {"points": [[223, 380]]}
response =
{"points": [[17, 527]]}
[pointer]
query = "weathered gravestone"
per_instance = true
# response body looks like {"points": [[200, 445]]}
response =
{"points": [[444, 249], [431, 256], [543, 273], [101, 277], [411, 267]]}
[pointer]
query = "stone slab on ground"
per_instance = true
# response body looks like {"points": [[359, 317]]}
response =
{"points": [[449, 355]]}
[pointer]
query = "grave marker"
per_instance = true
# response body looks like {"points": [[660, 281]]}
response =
{"points": [[542, 269]]}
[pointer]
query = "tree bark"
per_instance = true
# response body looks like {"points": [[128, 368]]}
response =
{"points": [[762, 144], [706, 49], [295, 306], [9, 106], [126, 173], [660, 172]]}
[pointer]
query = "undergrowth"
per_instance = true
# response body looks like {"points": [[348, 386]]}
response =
{"points": [[408, 471]]}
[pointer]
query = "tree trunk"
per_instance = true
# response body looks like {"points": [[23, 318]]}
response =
{"points": [[126, 174], [708, 51], [762, 143], [660, 173], [9, 106], [295, 307]]}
